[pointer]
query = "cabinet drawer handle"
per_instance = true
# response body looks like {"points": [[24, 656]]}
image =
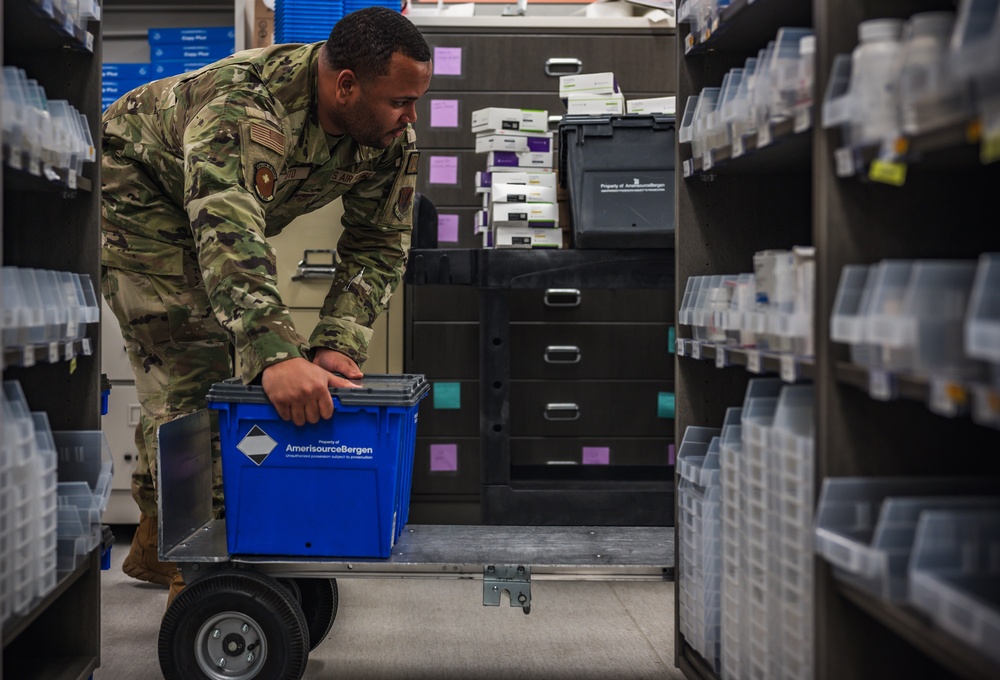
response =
{"points": [[562, 297], [562, 412], [561, 63], [562, 354], [316, 270]]}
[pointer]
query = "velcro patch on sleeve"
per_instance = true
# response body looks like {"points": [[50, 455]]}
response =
{"points": [[265, 136], [263, 115]]}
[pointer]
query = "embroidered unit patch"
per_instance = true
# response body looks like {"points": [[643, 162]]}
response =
{"points": [[264, 180]]}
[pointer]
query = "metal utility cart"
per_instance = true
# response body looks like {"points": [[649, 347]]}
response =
{"points": [[259, 616]]}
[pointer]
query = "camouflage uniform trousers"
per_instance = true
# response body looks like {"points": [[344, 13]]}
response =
{"points": [[178, 350]]}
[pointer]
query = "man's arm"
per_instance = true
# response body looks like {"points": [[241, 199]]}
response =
{"points": [[231, 164], [373, 251]]}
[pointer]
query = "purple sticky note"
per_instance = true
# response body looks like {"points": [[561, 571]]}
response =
{"points": [[671, 454], [444, 170], [447, 228], [447, 61], [444, 457], [596, 455], [444, 113]]}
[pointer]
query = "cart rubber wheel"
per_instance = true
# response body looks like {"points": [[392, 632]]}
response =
{"points": [[320, 600], [235, 625]]}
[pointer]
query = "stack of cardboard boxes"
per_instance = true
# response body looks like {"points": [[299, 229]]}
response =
{"points": [[519, 184]]}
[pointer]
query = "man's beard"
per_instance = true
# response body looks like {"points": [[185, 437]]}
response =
{"points": [[362, 127]]}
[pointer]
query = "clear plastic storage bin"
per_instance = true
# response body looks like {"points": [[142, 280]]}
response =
{"points": [[955, 575], [85, 470], [982, 323]]}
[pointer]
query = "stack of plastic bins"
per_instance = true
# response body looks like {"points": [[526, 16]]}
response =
{"points": [[955, 575], [48, 479], [25, 470], [865, 527], [716, 133], [8, 430], [733, 624], [757, 418], [792, 447], [698, 515], [708, 99], [982, 334], [85, 469]]}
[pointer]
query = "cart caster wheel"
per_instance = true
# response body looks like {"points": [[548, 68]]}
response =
{"points": [[319, 599], [235, 625]]}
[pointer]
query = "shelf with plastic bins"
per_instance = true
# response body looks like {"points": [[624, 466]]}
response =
{"points": [[746, 25], [779, 145], [48, 179], [790, 367], [50, 353], [917, 629], [41, 24], [958, 144]]}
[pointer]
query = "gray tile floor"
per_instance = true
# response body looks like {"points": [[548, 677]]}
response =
{"points": [[414, 629]]}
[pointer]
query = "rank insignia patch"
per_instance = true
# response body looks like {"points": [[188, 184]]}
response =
{"points": [[412, 163], [264, 179]]}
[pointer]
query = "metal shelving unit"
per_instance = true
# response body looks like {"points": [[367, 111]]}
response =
{"points": [[868, 423], [51, 220]]}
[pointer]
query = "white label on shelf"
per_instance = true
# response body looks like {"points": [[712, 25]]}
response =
{"points": [[15, 159], [69, 351], [85, 347], [986, 406], [881, 385], [688, 166], [53, 352], [720, 357], [948, 398], [753, 361], [737, 148], [696, 350], [803, 119], [89, 41], [28, 356], [707, 161], [763, 135], [71, 178], [34, 166], [679, 347], [844, 158], [789, 369]]}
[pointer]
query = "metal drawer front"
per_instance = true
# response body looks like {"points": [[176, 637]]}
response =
{"points": [[439, 418], [445, 350], [518, 62], [446, 465], [589, 451], [619, 408], [445, 303], [589, 351], [566, 304]]}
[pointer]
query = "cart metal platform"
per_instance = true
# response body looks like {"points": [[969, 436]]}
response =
{"points": [[236, 607]]}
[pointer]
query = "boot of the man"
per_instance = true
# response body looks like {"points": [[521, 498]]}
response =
{"points": [[142, 562], [176, 586]]}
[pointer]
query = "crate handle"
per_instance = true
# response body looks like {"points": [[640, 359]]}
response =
{"points": [[554, 297], [316, 270], [570, 352], [560, 62], [555, 411]]}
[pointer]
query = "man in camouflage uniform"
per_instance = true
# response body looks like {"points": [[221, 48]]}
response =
{"points": [[199, 169]]}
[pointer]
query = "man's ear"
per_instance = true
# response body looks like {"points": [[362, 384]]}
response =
{"points": [[347, 86]]}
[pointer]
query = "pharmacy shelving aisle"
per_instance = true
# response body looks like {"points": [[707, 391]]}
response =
{"points": [[895, 418], [51, 195]]}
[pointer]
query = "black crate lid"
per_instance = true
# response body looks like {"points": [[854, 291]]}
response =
{"points": [[375, 390]]}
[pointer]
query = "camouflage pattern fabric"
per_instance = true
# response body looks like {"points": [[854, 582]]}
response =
{"points": [[197, 171]]}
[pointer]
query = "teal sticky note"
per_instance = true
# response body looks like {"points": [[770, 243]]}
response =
{"points": [[447, 395], [671, 339], [665, 405]]}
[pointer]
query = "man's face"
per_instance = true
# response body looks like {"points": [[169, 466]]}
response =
{"points": [[376, 111]]}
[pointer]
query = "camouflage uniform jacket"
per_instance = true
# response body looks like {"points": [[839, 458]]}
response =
{"points": [[210, 163]]}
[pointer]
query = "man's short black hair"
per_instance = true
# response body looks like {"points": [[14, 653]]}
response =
{"points": [[364, 42]]}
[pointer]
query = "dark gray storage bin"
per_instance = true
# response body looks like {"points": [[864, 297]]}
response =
{"points": [[620, 173]]}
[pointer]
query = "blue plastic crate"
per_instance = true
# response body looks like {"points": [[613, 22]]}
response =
{"points": [[190, 52], [339, 488], [192, 36], [126, 71]]}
